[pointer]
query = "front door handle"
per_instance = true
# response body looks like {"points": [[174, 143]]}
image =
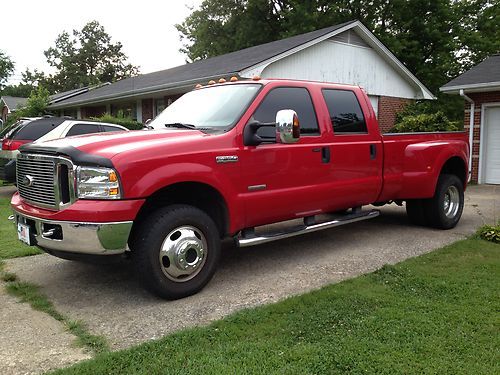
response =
{"points": [[325, 154]]}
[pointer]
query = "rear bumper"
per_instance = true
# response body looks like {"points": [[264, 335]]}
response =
{"points": [[77, 237]]}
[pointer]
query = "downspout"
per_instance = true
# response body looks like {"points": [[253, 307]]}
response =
{"points": [[471, 129]]}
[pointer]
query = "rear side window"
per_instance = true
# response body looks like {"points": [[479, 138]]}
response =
{"points": [[345, 112], [296, 98], [109, 128], [79, 129], [35, 129]]}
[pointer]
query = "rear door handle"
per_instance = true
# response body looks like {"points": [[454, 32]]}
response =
{"points": [[325, 154], [373, 152]]}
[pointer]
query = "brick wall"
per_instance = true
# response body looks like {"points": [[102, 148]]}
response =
{"points": [[388, 107], [479, 99]]}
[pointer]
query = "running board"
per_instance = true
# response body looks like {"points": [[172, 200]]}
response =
{"points": [[251, 240]]}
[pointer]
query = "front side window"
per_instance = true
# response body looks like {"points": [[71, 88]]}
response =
{"points": [[217, 107], [345, 112], [296, 98], [80, 129]]}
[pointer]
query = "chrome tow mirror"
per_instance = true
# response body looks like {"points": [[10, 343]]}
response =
{"points": [[287, 126]]}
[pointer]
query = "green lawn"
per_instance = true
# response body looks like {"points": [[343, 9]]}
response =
{"points": [[10, 246], [435, 314]]}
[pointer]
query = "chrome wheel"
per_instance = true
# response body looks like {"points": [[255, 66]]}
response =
{"points": [[451, 202], [183, 253]]}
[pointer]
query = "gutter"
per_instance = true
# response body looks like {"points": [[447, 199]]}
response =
{"points": [[471, 129]]}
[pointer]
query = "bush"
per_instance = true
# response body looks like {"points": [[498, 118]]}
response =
{"points": [[490, 233], [423, 122], [128, 122]]}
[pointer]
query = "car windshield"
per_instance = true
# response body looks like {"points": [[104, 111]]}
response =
{"points": [[217, 107]]}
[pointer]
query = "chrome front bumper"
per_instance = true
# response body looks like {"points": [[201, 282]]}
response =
{"points": [[77, 237]]}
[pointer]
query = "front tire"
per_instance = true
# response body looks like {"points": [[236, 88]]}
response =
{"points": [[443, 211], [176, 251]]}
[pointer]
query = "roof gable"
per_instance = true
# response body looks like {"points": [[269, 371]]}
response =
{"points": [[13, 102]]}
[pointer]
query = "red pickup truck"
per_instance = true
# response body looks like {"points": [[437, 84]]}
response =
{"points": [[222, 161]]}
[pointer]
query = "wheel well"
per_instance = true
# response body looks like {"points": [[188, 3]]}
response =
{"points": [[456, 166], [196, 194]]}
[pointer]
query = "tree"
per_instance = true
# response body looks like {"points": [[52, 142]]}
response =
{"points": [[86, 57], [6, 68]]}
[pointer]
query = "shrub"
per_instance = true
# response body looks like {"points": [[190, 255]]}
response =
{"points": [[490, 233], [423, 122], [128, 122]]}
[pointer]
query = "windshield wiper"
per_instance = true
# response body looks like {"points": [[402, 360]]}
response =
{"points": [[180, 125]]}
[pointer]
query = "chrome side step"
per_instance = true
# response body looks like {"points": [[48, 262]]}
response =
{"points": [[250, 239]]}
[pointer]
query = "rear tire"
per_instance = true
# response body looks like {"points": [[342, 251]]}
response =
{"points": [[176, 251], [443, 211], [415, 209]]}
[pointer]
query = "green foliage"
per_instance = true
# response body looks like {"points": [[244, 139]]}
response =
{"points": [[490, 233], [6, 68], [435, 314], [87, 57], [423, 122], [36, 106], [120, 119], [10, 246], [22, 90]]}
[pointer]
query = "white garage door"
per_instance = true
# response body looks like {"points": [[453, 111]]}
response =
{"points": [[491, 154]]}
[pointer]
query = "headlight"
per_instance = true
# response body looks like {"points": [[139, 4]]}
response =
{"points": [[97, 183]]}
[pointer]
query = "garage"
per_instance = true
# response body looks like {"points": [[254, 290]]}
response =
{"points": [[480, 88], [491, 148]]}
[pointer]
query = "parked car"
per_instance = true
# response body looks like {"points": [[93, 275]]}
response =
{"points": [[224, 160], [37, 130]]}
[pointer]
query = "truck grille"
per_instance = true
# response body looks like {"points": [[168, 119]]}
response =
{"points": [[44, 180]]}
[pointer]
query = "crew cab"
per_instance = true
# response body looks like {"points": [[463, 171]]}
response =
{"points": [[223, 161]]}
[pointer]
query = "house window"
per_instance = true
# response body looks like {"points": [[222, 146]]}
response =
{"points": [[159, 106], [128, 110]]}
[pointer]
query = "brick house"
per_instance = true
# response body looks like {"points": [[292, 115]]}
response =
{"points": [[10, 104], [346, 53], [480, 88]]}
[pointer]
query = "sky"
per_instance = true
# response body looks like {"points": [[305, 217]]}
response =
{"points": [[144, 27]]}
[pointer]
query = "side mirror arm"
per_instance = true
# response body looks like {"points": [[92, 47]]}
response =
{"points": [[250, 137]]}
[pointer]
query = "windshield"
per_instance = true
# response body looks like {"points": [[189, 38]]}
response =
{"points": [[218, 107]]}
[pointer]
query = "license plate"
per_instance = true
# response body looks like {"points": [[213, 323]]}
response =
{"points": [[23, 233]]}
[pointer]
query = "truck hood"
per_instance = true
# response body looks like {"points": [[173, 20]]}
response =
{"points": [[109, 145]]}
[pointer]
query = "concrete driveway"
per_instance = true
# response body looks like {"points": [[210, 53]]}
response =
{"points": [[110, 301]]}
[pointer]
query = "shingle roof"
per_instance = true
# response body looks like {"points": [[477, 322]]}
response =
{"points": [[485, 72], [227, 64], [14, 102]]}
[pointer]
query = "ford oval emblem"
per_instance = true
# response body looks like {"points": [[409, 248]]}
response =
{"points": [[28, 180]]}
